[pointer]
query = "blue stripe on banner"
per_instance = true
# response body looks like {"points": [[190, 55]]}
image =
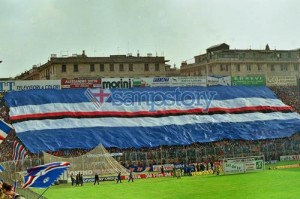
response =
{"points": [[36, 97], [4, 127], [123, 137]]}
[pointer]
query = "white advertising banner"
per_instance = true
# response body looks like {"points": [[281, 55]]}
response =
{"points": [[243, 165], [151, 82], [188, 81], [281, 81], [117, 83], [289, 157], [218, 80], [29, 85], [234, 167], [169, 81]]}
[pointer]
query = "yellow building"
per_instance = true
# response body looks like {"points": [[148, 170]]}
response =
{"points": [[84, 67], [221, 60]]}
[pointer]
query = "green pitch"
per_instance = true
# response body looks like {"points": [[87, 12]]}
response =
{"points": [[273, 184]]}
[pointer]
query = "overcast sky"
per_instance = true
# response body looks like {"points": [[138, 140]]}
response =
{"points": [[32, 30]]}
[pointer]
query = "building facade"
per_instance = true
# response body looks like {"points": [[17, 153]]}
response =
{"points": [[84, 67], [221, 60]]}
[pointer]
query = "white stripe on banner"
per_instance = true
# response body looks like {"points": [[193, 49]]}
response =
{"points": [[149, 121], [90, 107], [2, 133]]}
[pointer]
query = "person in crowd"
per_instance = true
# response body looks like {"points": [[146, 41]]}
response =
{"points": [[77, 180], [130, 176], [119, 179], [96, 179], [7, 191], [81, 179], [72, 179], [162, 170]]}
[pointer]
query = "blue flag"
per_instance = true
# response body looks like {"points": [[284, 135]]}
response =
{"points": [[4, 130], [44, 176], [19, 152], [1, 168]]}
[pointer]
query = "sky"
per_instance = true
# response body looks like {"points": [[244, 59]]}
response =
{"points": [[32, 30]]}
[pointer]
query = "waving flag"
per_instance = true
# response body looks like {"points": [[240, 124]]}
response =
{"points": [[1, 168], [19, 152], [147, 117], [44, 176], [15, 186], [4, 130]]}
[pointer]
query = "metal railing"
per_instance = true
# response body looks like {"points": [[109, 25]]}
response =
{"points": [[10, 175]]}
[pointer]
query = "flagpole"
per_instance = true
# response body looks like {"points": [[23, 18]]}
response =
{"points": [[43, 193]]}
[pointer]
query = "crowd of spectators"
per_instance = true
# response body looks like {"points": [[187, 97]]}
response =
{"points": [[290, 95], [197, 152], [3, 111], [6, 191]]}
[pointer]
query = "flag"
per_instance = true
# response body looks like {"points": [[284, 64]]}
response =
{"points": [[1, 168], [148, 117], [4, 130], [44, 176], [15, 186], [19, 152]]}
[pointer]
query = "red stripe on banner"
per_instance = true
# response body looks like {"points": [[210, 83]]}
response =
{"points": [[20, 151], [2, 137], [14, 150], [149, 113], [29, 181]]}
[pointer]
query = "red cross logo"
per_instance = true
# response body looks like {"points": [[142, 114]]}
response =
{"points": [[101, 96]]}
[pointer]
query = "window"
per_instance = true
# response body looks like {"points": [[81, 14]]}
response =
{"points": [[101, 67], [278, 55], [248, 67], [259, 67], [146, 67], [121, 67], [283, 67], [75, 68], [111, 67], [92, 68], [223, 67], [238, 68], [157, 67], [130, 67], [63, 68], [296, 67], [47, 74], [272, 67]]}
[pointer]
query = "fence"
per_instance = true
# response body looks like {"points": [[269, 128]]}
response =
{"points": [[11, 174], [272, 150], [201, 152]]}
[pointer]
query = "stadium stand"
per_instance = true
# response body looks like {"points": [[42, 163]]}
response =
{"points": [[196, 152]]}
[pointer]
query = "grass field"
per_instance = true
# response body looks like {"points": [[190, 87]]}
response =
{"points": [[281, 184]]}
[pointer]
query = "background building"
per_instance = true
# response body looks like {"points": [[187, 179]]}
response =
{"points": [[84, 67], [221, 60]]}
